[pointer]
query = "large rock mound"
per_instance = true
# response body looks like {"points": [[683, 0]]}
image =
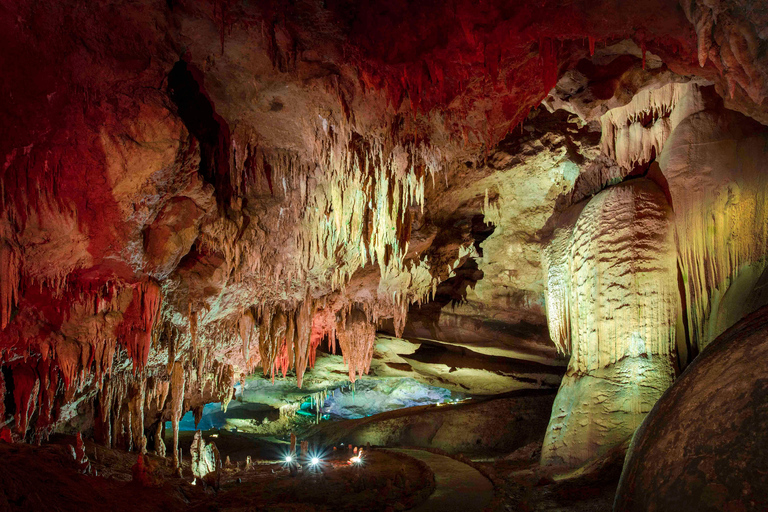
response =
{"points": [[703, 446]]}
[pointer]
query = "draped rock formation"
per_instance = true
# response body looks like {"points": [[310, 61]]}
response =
{"points": [[716, 168], [711, 163], [612, 305]]}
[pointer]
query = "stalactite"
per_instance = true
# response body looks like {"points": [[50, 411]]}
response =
{"points": [[317, 400], [226, 386], [556, 259], [246, 324], [10, 276], [304, 330], [634, 134], [269, 347], [177, 402], [136, 331], [49, 384], [26, 387], [357, 338], [136, 405], [323, 324], [193, 327], [202, 356], [3, 391], [157, 393], [197, 412]]}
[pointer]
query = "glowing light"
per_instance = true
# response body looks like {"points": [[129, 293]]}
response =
{"points": [[288, 459], [315, 461], [356, 460]]}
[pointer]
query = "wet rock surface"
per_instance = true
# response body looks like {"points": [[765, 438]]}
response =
{"points": [[493, 428]]}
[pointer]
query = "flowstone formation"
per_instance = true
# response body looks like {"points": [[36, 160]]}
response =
{"points": [[612, 303], [709, 163]]}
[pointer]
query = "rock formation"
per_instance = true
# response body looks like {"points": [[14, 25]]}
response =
{"points": [[702, 446], [192, 193], [711, 166], [612, 304], [206, 460], [714, 164]]}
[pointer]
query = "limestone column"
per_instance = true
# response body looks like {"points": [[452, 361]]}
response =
{"points": [[612, 303]]}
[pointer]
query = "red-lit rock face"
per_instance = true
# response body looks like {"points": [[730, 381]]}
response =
{"points": [[191, 191]]}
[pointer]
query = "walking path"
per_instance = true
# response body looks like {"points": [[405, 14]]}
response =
{"points": [[458, 487]]}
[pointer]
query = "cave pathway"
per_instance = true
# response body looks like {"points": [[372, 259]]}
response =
{"points": [[458, 487]]}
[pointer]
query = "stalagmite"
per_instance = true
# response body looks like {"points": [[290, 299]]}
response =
{"points": [[159, 443], [615, 314], [206, 460]]}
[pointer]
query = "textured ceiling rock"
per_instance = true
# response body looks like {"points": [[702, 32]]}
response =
{"points": [[612, 304], [702, 447]]}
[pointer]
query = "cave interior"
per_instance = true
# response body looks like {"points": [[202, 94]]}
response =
{"points": [[342, 255]]}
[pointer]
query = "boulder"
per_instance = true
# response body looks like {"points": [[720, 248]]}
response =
{"points": [[704, 445]]}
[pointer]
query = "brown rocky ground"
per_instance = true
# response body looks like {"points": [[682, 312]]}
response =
{"points": [[37, 478]]}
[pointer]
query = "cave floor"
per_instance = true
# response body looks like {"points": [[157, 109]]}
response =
{"points": [[458, 487], [46, 478], [37, 478], [527, 486]]}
